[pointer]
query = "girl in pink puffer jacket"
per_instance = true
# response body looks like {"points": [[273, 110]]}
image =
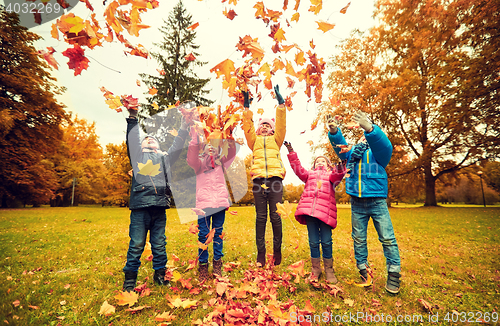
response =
{"points": [[212, 196], [317, 208]]}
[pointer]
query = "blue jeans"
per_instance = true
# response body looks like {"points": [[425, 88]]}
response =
{"points": [[376, 208], [153, 219], [216, 218], [319, 233]]}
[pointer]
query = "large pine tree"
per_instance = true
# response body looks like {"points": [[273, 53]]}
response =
{"points": [[30, 117], [179, 81]]}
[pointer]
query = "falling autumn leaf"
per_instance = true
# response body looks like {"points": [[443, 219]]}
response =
{"points": [[229, 14], [149, 168], [173, 132], [193, 228], [192, 27], [190, 57], [47, 55], [324, 26], [77, 60], [344, 10], [295, 17], [285, 209], [153, 91], [310, 142], [210, 236]]}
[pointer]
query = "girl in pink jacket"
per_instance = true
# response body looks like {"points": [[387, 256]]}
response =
{"points": [[212, 196], [317, 208]]}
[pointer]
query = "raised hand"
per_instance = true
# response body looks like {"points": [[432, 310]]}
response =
{"points": [[332, 124], [361, 119], [288, 146], [278, 95]]}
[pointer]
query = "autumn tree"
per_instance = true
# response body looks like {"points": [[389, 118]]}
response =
{"points": [[30, 117], [79, 157], [117, 179], [428, 74], [177, 80]]}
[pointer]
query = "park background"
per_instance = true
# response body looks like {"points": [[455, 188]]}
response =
{"points": [[426, 72]]}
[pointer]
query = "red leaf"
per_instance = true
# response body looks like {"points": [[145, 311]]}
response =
{"points": [[77, 60], [38, 17], [230, 14], [47, 55], [190, 57]]}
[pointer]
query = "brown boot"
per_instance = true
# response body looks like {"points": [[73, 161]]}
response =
{"points": [[202, 272], [329, 271], [316, 269], [217, 267], [261, 258], [277, 258]]}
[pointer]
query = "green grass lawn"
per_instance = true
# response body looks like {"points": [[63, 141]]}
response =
{"points": [[59, 265]]}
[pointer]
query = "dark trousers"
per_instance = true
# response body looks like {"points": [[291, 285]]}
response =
{"points": [[265, 197]]}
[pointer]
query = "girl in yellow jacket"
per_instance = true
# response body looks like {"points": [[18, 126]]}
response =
{"points": [[267, 172]]}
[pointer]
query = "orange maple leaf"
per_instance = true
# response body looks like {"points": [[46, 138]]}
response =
{"points": [[47, 55], [193, 228], [324, 26], [190, 57], [210, 236], [166, 316], [311, 44], [316, 6], [260, 111], [224, 68], [290, 81], [125, 298], [295, 17], [152, 91], [298, 268], [229, 14], [285, 209], [192, 27], [202, 246], [299, 58], [344, 10], [279, 36]]}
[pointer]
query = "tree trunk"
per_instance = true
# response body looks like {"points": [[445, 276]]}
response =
{"points": [[430, 186]]}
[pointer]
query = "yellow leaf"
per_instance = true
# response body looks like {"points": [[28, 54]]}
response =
{"points": [[279, 36], [176, 276], [125, 297], [260, 111], [173, 132], [299, 58], [295, 17], [114, 102], [266, 70], [155, 106], [106, 309], [324, 26], [349, 302], [166, 316], [188, 303], [310, 142], [285, 209], [264, 186], [319, 184], [149, 168]]}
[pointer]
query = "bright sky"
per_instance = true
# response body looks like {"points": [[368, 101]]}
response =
{"points": [[217, 37]]}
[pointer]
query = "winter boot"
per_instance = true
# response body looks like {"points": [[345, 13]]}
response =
{"points": [[217, 267], [277, 258], [261, 258], [159, 277], [202, 272], [393, 283], [366, 278], [329, 271], [316, 269], [130, 281]]}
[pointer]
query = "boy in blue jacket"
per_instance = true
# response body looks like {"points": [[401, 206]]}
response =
{"points": [[149, 198], [366, 183]]}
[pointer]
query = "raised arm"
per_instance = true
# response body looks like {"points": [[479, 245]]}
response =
{"points": [[297, 168], [175, 150], [133, 139], [280, 126], [193, 157], [380, 144]]}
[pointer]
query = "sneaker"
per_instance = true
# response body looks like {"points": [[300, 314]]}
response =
{"points": [[393, 283]]}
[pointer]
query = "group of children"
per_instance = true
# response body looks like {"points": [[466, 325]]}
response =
{"points": [[363, 165]]}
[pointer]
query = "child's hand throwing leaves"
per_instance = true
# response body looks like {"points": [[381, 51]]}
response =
{"points": [[288, 146]]}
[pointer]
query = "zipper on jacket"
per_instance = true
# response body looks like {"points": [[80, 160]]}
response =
{"points": [[359, 176], [265, 157], [315, 195]]}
